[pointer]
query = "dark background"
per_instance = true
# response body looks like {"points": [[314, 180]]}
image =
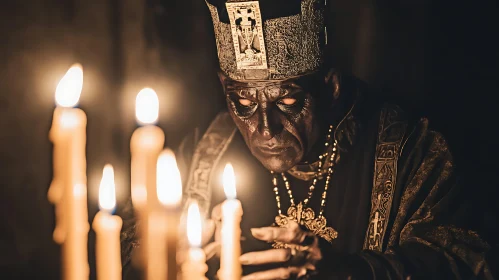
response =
{"points": [[437, 57]]}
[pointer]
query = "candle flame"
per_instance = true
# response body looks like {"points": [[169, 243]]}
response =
{"points": [[194, 225], [107, 189], [169, 182], [229, 181], [68, 91], [147, 106]]}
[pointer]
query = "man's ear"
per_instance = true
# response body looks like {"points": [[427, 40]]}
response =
{"points": [[222, 77], [332, 79]]}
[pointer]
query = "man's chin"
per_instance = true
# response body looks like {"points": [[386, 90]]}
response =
{"points": [[276, 163]]}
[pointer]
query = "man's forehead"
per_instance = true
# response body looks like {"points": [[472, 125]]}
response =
{"points": [[260, 83], [266, 83]]}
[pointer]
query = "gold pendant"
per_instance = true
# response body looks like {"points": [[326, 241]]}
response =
{"points": [[305, 217]]}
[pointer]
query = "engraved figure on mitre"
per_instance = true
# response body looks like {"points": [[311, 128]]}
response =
{"points": [[247, 32], [246, 24]]}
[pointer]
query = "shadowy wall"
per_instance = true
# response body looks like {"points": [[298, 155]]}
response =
{"points": [[432, 55]]}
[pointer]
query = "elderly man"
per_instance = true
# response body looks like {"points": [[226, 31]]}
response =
{"points": [[334, 182]]}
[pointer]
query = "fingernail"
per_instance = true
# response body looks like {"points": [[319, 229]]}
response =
{"points": [[257, 232], [244, 259]]}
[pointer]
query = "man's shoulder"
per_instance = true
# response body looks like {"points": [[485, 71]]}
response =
{"points": [[418, 125], [206, 139], [418, 138], [221, 124]]}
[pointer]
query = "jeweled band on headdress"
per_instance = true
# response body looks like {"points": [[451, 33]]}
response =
{"points": [[268, 40]]}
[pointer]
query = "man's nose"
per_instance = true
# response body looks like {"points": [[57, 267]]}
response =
{"points": [[269, 123]]}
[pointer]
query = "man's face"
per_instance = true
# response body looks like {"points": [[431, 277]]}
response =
{"points": [[277, 119]]}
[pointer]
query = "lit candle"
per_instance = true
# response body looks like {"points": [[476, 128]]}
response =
{"points": [[66, 96], [169, 190], [230, 267], [163, 222], [68, 191], [194, 268], [146, 143], [155, 246], [107, 229]]}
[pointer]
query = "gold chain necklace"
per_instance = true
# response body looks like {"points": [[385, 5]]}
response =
{"points": [[301, 213]]}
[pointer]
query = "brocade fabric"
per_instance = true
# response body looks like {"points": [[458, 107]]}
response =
{"points": [[428, 234]]}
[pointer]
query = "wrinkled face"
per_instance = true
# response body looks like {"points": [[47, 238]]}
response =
{"points": [[278, 119]]}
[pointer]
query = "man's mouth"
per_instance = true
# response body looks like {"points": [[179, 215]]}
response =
{"points": [[272, 150]]}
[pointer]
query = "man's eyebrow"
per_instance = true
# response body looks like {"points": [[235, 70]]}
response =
{"points": [[235, 91], [292, 93]]}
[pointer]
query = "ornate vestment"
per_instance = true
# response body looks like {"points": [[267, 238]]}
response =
{"points": [[394, 197]]}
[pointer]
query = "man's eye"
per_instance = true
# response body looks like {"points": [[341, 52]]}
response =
{"points": [[245, 102], [288, 101]]}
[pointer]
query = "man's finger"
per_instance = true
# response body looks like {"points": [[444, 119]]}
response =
{"points": [[277, 273], [290, 235], [216, 216], [211, 250], [216, 213], [208, 231], [267, 256]]}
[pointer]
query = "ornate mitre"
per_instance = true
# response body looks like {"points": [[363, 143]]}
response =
{"points": [[268, 40]]}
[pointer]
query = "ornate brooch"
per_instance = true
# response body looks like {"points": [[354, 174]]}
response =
{"points": [[306, 217]]}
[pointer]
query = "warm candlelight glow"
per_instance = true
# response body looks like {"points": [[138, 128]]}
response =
{"points": [[107, 230], [107, 189], [147, 106], [194, 267], [194, 225], [230, 232], [229, 180], [169, 183], [69, 88]]}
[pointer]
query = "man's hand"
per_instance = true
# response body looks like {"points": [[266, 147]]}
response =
{"points": [[211, 227], [298, 258], [213, 248]]}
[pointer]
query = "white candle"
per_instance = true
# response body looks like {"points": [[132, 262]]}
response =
{"points": [[194, 268], [230, 266], [68, 191], [59, 137], [107, 229], [65, 121], [169, 191], [163, 221], [155, 267], [145, 145]]}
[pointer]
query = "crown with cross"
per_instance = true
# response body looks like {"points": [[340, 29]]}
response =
{"points": [[269, 40]]}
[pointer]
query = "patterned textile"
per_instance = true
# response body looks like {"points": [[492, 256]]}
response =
{"points": [[427, 233], [293, 44]]}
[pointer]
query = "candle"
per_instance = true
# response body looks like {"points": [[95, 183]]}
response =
{"points": [[194, 268], [155, 267], [169, 191], [230, 267], [66, 96], [68, 190], [107, 228], [163, 221], [145, 145]]}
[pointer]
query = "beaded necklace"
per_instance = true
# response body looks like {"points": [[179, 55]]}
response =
{"points": [[301, 213]]}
